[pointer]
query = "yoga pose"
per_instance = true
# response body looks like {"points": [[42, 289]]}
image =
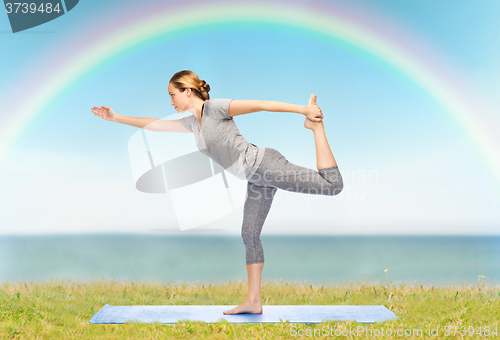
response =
{"points": [[266, 169]]}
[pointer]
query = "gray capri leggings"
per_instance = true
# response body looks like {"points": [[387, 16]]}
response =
{"points": [[275, 172]]}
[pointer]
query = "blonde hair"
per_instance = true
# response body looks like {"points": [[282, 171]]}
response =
{"points": [[187, 79]]}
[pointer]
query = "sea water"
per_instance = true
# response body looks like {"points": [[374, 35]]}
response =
{"points": [[318, 260]]}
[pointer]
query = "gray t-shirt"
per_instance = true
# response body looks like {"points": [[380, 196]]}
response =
{"points": [[219, 138]]}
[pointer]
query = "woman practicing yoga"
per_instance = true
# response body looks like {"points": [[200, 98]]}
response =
{"points": [[266, 169]]}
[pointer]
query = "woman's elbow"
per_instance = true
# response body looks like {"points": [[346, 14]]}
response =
{"points": [[264, 105]]}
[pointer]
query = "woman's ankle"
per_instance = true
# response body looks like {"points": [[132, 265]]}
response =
{"points": [[253, 300]]}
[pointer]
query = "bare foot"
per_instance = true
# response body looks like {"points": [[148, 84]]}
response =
{"points": [[246, 307], [309, 124]]}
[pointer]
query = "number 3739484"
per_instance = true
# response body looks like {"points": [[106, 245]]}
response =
{"points": [[470, 330], [18, 7]]}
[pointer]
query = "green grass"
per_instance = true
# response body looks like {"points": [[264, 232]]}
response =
{"points": [[62, 309]]}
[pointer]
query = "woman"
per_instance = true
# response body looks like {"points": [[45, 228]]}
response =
{"points": [[266, 169]]}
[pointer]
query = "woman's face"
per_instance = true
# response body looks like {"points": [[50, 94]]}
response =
{"points": [[180, 100]]}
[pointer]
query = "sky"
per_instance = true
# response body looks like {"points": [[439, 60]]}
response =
{"points": [[409, 165]]}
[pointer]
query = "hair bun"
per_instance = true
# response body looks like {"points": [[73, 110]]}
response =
{"points": [[204, 86]]}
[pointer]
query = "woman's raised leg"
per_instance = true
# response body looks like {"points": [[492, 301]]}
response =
{"points": [[276, 171], [324, 155]]}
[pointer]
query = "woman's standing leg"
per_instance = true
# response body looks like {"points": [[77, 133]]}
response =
{"points": [[257, 205]]}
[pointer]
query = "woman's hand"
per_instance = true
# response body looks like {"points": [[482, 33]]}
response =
{"points": [[105, 113], [312, 111]]}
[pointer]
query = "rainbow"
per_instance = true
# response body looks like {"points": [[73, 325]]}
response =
{"points": [[136, 29]]}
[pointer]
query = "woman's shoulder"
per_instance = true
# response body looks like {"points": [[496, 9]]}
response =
{"points": [[218, 108], [217, 101]]}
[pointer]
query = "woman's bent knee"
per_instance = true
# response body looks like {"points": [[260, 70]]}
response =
{"points": [[332, 175], [332, 190], [338, 188]]}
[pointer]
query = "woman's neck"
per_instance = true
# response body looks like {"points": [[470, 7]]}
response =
{"points": [[197, 107]]}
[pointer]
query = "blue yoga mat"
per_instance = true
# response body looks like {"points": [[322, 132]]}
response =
{"points": [[270, 314]]}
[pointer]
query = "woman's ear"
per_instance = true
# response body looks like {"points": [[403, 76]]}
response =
{"points": [[188, 92]]}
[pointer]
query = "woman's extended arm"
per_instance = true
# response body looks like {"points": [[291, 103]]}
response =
{"points": [[140, 122], [239, 107], [152, 124]]}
